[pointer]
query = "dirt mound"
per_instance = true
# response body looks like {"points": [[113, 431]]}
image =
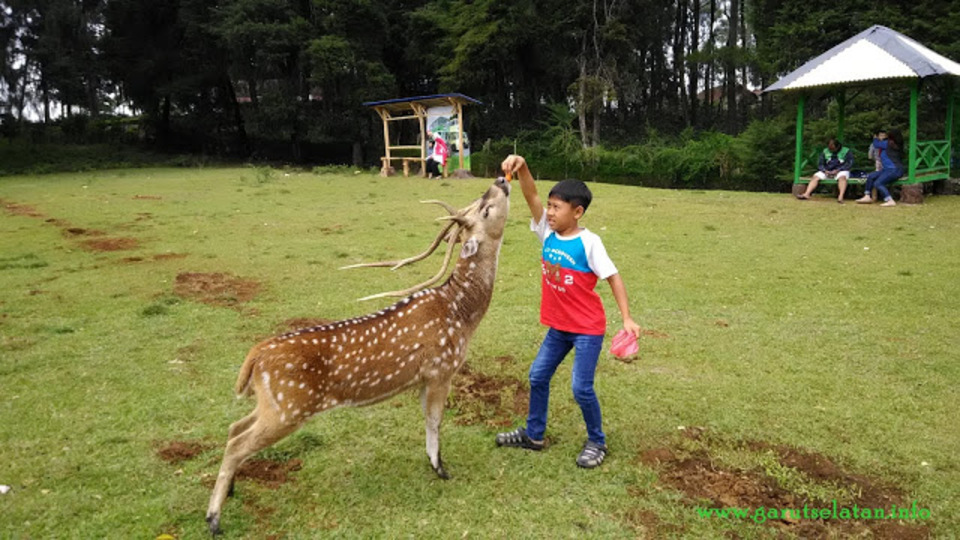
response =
{"points": [[111, 244], [694, 467], [20, 209], [272, 474], [176, 452], [216, 289], [490, 400]]}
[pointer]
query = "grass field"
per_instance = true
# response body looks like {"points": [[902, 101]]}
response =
{"points": [[795, 353]]}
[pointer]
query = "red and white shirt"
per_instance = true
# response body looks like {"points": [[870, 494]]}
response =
{"points": [[571, 266]]}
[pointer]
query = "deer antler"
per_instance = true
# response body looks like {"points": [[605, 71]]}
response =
{"points": [[448, 233], [431, 281], [402, 262]]}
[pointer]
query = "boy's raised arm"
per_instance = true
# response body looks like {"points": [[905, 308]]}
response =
{"points": [[517, 168]]}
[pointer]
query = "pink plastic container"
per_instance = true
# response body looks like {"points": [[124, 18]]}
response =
{"points": [[624, 345]]}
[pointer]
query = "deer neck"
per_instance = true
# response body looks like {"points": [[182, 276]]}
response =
{"points": [[471, 285]]}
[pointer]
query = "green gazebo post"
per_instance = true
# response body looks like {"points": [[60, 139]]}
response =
{"points": [[912, 165], [798, 159], [951, 111], [841, 116]]}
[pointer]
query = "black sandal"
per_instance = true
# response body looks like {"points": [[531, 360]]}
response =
{"points": [[592, 455], [518, 439]]}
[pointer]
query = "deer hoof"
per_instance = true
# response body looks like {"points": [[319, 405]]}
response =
{"points": [[441, 472], [213, 521]]}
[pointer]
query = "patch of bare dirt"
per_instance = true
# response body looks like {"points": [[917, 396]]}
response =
{"points": [[216, 289], [701, 477], [20, 209], [650, 333], [78, 231], [111, 244], [175, 452], [147, 197], [486, 399], [269, 473], [169, 256], [158, 257], [62, 223]]}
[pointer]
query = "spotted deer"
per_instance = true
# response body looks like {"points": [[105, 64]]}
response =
{"points": [[419, 342]]}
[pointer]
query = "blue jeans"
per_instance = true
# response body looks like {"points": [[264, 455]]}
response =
{"points": [[880, 180], [556, 345]]}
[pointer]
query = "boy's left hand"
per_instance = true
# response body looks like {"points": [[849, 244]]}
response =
{"points": [[631, 327]]}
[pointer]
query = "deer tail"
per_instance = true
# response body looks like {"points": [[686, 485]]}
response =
{"points": [[242, 387]]}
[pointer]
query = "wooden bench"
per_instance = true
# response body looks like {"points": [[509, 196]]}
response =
{"points": [[386, 170]]}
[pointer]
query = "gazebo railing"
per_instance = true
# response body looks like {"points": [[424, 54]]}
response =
{"points": [[933, 162]]}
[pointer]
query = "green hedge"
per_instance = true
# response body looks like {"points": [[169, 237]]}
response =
{"points": [[754, 161]]}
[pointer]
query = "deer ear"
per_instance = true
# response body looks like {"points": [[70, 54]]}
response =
{"points": [[469, 247]]}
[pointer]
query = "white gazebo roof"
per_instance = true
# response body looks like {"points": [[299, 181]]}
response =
{"points": [[876, 53]]}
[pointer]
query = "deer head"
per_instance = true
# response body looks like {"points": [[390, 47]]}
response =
{"points": [[419, 342]]}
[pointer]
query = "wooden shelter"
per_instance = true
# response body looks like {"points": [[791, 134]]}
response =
{"points": [[416, 108], [877, 56]]}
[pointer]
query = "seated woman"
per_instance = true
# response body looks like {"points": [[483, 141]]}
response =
{"points": [[890, 146], [835, 162]]}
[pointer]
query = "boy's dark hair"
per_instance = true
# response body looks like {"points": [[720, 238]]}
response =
{"points": [[574, 192]]}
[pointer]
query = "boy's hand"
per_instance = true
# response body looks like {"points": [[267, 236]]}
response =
{"points": [[512, 164], [631, 327]]}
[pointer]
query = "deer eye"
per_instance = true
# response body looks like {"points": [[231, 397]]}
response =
{"points": [[486, 212]]}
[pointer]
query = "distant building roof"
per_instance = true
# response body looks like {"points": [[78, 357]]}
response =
{"points": [[435, 100], [877, 53]]}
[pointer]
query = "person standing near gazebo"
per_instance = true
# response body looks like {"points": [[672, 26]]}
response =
{"points": [[890, 146], [836, 160]]}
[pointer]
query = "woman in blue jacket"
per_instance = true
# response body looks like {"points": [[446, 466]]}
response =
{"points": [[890, 146]]}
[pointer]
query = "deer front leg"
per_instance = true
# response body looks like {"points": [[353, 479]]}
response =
{"points": [[433, 398]]}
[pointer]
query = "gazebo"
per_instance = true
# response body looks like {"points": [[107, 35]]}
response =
{"points": [[418, 108], [879, 55]]}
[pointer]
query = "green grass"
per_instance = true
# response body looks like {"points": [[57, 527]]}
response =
{"points": [[832, 329]]}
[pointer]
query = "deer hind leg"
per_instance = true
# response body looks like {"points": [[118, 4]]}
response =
{"points": [[433, 398], [261, 429], [237, 428]]}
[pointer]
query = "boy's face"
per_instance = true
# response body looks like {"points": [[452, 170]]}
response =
{"points": [[562, 216]]}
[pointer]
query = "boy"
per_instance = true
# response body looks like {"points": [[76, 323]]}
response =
{"points": [[573, 258]]}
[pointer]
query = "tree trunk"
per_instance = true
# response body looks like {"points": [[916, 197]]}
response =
{"points": [[712, 47], [731, 67], [581, 103], [231, 96], [694, 67]]}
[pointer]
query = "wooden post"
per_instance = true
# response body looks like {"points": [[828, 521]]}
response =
{"points": [[798, 159], [912, 164], [421, 113], [385, 115]]}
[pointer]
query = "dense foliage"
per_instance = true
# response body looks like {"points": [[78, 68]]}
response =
{"points": [[574, 79]]}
